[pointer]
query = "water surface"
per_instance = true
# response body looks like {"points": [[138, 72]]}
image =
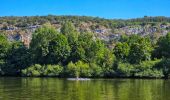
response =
{"points": [[98, 89]]}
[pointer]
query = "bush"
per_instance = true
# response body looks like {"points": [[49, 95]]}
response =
{"points": [[96, 70], [144, 69], [73, 70], [34, 70], [148, 64], [150, 73], [35, 73], [53, 70], [38, 70], [2, 64], [85, 70], [125, 69], [164, 65], [79, 69], [148, 69]]}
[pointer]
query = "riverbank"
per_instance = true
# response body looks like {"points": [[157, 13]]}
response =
{"points": [[69, 53]]}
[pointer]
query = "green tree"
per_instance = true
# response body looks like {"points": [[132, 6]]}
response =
{"points": [[4, 48], [59, 50], [93, 48], [18, 58], [72, 35], [70, 32], [107, 63], [163, 47], [85, 41], [140, 49], [121, 51], [164, 65], [77, 52], [40, 43], [97, 52]]}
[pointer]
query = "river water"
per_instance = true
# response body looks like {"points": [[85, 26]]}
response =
{"points": [[17, 88]]}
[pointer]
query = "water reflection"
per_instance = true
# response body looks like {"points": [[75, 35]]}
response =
{"points": [[99, 89]]}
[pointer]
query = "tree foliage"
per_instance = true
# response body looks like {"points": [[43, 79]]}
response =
{"points": [[163, 48], [134, 50], [59, 49], [40, 43], [69, 53]]}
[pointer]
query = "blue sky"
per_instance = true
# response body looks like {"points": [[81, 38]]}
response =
{"points": [[99, 8]]}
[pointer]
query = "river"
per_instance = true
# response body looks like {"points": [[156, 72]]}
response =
{"points": [[17, 88]]}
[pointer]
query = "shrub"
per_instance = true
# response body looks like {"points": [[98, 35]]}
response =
{"points": [[125, 69], [79, 69], [53, 70], [47, 70], [34, 70], [148, 69], [85, 70], [96, 71], [73, 70], [35, 73], [150, 73], [148, 64], [164, 65]]}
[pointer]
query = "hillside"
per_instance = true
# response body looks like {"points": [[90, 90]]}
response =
{"points": [[21, 28], [85, 47]]}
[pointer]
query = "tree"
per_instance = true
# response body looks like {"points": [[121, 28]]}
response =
{"points": [[140, 50], [4, 48], [163, 47], [59, 50], [107, 62], [93, 48], [134, 49], [18, 58], [40, 43], [72, 35], [124, 38], [77, 53], [121, 51], [133, 39], [97, 52], [70, 32]]}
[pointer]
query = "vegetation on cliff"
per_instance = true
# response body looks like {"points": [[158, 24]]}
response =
{"points": [[70, 53]]}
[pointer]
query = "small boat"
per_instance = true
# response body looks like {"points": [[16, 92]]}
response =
{"points": [[79, 79]]}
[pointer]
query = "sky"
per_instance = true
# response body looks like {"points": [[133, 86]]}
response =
{"points": [[112, 9]]}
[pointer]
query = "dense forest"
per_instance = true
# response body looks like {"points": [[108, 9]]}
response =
{"points": [[71, 53]]}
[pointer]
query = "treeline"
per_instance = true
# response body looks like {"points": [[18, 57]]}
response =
{"points": [[26, 21], [69, 53], [151, 19]]}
